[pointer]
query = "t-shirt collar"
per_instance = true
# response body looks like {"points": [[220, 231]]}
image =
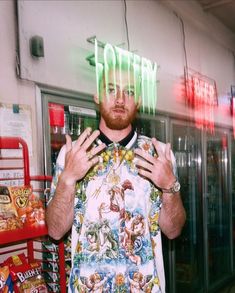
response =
{"points": [[125, 142]]}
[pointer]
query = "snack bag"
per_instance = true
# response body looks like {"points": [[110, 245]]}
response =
{"points": [[16, 260], [37, 214], [9, 219], [6, 285], [29, 207], [27, 278]]}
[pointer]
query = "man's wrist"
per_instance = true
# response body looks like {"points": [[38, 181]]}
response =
{"points": [[67, 180], [174, 188]]}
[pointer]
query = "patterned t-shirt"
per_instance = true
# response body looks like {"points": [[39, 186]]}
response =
{"points": [[116, 241]]}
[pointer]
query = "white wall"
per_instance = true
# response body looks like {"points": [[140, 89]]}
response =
{"points": [[155, 32], [13, 90]]}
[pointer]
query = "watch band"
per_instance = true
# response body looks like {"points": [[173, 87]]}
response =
{"points": [[174, 189]]}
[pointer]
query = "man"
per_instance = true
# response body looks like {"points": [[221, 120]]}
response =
{"points": [[118, 191]]}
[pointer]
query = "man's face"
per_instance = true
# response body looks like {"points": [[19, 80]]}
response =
{"points": [[118, 107]]}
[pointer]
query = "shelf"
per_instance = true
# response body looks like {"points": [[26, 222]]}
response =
{"points": [[26, 233]]}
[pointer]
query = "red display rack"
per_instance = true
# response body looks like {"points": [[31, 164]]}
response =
{"points": [[14, 168]]}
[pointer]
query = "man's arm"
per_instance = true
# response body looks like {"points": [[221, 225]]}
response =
{"points": [[172, 215], [60, 210], [79, 158], [160, 171]]}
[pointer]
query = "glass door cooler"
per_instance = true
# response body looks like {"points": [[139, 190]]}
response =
{"points": [[61, 115], [187, 268], [202, 258]]}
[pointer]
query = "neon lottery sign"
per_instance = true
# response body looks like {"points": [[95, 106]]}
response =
{"points": [[141, 74]]}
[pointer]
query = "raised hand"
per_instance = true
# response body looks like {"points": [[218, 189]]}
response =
{"points": [[159, 168], [81, 155]]}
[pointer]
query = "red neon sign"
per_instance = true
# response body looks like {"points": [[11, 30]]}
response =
{"points": [[233, 107], [202, 98]]}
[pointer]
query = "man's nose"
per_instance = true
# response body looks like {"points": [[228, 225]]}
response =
{"points": [[120, 97]]}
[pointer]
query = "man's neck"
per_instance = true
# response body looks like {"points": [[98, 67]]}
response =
{"points": [[114, 135]]}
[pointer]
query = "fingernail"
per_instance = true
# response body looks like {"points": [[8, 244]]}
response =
{"points": [[89, 130]]}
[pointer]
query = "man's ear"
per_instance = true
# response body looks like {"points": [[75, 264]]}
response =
{"points": [[139, 102], [96, 99]]}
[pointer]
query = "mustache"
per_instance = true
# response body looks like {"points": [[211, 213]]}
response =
{"points": [[119, 108]]}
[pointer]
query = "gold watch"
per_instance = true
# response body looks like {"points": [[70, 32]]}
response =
{"points": [[174, 189]]}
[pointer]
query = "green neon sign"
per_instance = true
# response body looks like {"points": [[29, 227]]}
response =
{"points": [[139, 69]]}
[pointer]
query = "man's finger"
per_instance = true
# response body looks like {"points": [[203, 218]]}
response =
{"points": [[144, 155], [68, 143], [94, 161], [157, 147], [145, 165], [86, 133], [95, 150], [168, 152], [88, 142], [145, 173]]}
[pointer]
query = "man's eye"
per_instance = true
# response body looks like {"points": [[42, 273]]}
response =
{"points": [[130, 93], [112, 91]]}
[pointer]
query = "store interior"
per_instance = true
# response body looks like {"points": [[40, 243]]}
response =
{"points": [[48, 81]]}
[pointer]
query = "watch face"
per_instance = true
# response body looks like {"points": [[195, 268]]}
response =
{"points": [[176, 186]]}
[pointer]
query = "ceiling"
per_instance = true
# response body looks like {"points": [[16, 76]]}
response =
{"points": [[223, 10]]}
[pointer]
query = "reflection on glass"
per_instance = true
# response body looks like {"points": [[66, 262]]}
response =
{"points": [[151, 128], [233, 197], [74, 125], [189, 246], [217, 208], [143, 126], [79, 129], [65, 129]]}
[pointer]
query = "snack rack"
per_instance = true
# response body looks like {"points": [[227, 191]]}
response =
{"points": [[14, 170]]}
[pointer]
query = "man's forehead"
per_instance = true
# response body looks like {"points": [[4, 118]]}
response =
{"points": [[120, 75]]}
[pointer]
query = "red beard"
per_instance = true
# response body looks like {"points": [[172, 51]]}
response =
{"points": [[117, 121]]}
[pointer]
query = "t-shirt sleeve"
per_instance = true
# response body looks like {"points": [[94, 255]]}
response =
{"points": [[173, 160], [57, 171], [174, 165]]}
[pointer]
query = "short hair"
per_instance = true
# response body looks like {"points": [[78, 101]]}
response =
{"points": [[118, 60], [143, 70]]}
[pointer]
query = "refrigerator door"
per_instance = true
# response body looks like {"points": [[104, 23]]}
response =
{"points": [[76, 114], [233, 199], [151, 126], [217, 208], [187, 267], [62, 114]]}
